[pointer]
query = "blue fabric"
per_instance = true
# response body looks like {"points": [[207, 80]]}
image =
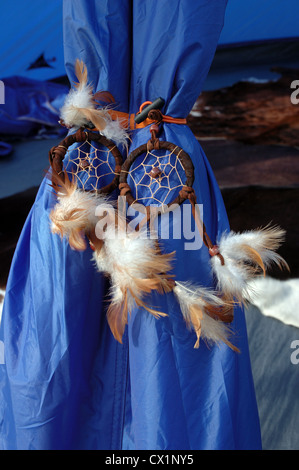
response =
{"points": [[65, 382], [259, 21], [31, 40], [29, 105]]}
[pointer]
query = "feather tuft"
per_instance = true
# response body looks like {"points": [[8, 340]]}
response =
{"points": [[81, 109], [196, 303], [74, 214], [136, 268], [246, 255], [81, 74]]}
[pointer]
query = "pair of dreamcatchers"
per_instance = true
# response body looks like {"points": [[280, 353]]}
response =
{"points": [[87, 166]]}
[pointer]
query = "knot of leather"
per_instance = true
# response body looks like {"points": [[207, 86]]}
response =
{"points": [[153, 144], [155, 115], [187, 192], [124, 189]]}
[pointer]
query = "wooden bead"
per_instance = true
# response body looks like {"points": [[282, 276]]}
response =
{"points": [[155, 172], [84, 164], [154, 128]]}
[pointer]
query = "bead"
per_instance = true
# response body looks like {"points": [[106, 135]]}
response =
{"points": [[84, 164], [154, 128], [155, 172]]}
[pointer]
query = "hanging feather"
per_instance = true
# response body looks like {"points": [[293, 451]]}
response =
{"points": [[197, 304], [246, 255], [136, 267], [131, 259], [80, 109], [74, 214]]}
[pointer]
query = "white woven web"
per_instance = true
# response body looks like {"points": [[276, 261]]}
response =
{"points": [[161, 190], [92, 167]]}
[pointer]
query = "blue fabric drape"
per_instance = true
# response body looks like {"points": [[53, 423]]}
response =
{"points": [[66, 383], [182, 398]]}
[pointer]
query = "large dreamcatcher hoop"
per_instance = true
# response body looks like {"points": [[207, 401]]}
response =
{"points": [[77, 183]]}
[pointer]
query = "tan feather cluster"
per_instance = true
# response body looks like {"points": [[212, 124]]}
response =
{"points": [[136, 267], [80, 109], [73, 216], [246, 255], [205, 312]]}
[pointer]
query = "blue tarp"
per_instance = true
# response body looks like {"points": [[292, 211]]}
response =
{"points": [[259, 20], [31, 39], [30, 104], [31, 33], [65, 382]]}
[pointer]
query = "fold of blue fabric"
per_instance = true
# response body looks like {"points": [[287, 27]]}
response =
{"points": [[181, 397], [66, 383], [29, 104], [63, 378]]}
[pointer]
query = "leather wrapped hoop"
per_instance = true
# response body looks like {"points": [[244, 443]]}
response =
{"points": [[159, 145], [57, 154]]}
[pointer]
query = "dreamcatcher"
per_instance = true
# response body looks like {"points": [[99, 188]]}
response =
{"points": [[133, 260], [237, 258], [85, 169]]}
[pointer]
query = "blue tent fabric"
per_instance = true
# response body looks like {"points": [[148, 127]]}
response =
{"points": [[30, 104], [259, 21], [66, 383], [31, 40], [31, 35]]}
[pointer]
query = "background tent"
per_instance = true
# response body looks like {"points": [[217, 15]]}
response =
{"points": [[259, 21], [31, 32], [31, 39]]}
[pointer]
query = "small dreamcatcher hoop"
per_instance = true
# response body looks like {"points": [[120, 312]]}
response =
{"points": [[80, 197], [82, 135]]}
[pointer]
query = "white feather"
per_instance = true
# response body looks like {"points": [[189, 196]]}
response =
{"points": [[211, 330], [76, 99], [264, 241], [85, 203], [126, 251], [196, 294], [234, 276], [74, 114], [214, 331], [115, 132]]}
